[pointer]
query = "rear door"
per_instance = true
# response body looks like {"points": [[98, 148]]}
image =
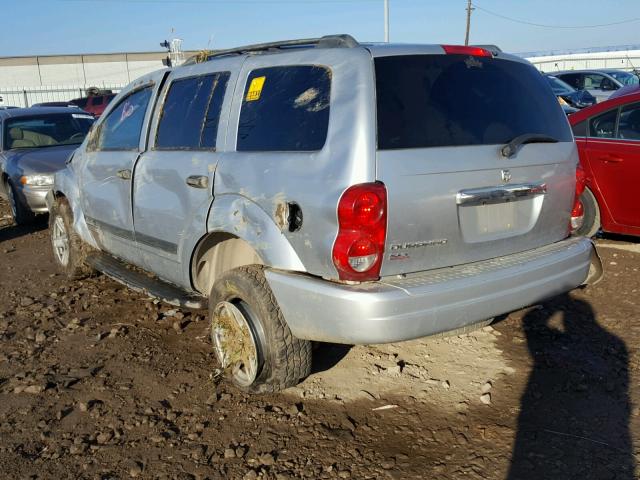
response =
{"points": [[173, 180], [613, 152], [453, 198]]}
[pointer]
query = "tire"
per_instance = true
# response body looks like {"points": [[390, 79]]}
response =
{"points": [[281, 360], [591, 223], [21, 214], [69, 251]]}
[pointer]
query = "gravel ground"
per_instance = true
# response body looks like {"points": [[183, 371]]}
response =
{"points": [[99, 382]]}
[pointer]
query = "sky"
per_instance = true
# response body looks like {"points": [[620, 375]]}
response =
{"points": [[43, 27]]}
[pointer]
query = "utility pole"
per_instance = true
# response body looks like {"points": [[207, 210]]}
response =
{"points": [[469, 10], [386, 21]]}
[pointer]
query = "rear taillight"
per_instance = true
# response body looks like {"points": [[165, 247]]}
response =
{"points": [[466, 50], [362, 230], [577, 213]]}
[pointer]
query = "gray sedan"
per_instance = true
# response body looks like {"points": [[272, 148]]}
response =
{"points": [[34, 144]]}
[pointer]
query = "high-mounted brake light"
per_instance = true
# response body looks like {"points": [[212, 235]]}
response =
{"points": [[466, 50], [577, 213], [362, 221]]}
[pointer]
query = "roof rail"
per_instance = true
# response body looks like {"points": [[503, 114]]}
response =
{"points": [[328, 41]]}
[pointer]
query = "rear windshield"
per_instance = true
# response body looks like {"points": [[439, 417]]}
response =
{"points": [[456, 100]]}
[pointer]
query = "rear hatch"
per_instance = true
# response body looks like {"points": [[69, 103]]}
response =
{"points": [[453, 197]]}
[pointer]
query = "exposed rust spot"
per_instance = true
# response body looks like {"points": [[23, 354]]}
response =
{"points": [[281, 214]]}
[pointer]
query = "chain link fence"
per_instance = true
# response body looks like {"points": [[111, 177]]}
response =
{"points": [[26, 97]]}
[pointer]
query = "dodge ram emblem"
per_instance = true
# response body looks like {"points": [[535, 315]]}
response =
{"points": [[506, 176]]}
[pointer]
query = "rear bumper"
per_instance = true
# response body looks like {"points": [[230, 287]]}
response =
{"points": [[426, 303]]}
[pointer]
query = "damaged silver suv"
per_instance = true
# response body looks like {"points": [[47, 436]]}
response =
{"points": [[326, 190]]}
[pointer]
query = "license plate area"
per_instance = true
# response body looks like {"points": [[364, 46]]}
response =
{"points": [[494, 213]]}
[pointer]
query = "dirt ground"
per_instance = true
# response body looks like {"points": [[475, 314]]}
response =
{"points": [[99, 382]]}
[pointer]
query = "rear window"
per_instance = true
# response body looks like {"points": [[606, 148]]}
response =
{"points": [[285, 109], [457, 100]]}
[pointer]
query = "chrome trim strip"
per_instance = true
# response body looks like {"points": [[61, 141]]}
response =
{"points": [[499, 194]]}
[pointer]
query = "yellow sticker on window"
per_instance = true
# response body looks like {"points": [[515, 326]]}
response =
{"points": [[255, 89]]}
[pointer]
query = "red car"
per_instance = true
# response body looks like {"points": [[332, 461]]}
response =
{"points": [[94, 104], [608, 139]]}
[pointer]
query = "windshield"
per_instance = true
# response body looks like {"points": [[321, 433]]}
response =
{"points": [[47, 130], [559, 87], [625, 78], [455, 100]]}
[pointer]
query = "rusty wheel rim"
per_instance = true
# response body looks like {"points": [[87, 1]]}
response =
{"points": [[234, 343]]}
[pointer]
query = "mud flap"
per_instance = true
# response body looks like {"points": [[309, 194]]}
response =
{"points": [[596, 272]]}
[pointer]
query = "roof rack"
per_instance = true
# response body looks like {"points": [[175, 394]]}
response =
{"points": [[328, 41]]}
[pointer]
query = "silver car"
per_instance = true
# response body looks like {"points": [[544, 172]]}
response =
{"points": [[599, 83], [326, 190], [34, 144]]}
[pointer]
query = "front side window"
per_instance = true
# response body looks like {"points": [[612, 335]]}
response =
{"points": [[456, 100], [604, 125], [191, 113], [51, 130], [285, 109], [594, 81], [629, 125], [121, 129]]}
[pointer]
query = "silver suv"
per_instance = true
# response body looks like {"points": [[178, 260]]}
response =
{"points": [[324, 190]]}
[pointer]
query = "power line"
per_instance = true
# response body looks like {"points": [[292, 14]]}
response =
{"points": [[541, 25]]}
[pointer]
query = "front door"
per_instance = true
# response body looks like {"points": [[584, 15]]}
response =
{"points": [[613, 150], [173, 180], [111, 153]]}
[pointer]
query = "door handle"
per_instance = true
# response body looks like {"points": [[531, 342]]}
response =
{"points": [[610, 159], [124, 174], [198, 181]]}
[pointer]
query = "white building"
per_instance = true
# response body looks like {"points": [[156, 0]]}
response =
{"points": [[45, 78], [623, 58]]}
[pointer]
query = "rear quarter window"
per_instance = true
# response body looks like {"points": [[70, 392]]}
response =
{"points": [[457, 100], [285, 109]]}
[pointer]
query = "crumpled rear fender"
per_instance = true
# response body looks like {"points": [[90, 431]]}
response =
{"points": [[239, 216]]}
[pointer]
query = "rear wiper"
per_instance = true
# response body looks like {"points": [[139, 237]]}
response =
{"points": [[511, 148]]}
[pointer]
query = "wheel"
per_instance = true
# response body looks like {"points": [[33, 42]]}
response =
{"points": [[591, 222], [69, 251], [251, 339], [21, 214]]}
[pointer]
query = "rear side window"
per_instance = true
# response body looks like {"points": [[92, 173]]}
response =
{"points": [[457, 100], [122, 128], [573, 79], [604, 125], [629, 125], [285, 109], [191, 113]]}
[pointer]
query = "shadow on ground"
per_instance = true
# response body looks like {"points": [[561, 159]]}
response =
{"points": [[574, 420], [13, 231], [328, 355]]}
